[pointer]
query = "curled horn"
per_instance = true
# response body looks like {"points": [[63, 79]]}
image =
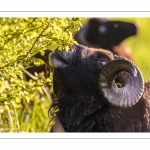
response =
{"points": [[133, 88]]}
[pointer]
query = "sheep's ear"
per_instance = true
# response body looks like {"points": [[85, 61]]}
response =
{"points": [[132, 90], [98, 20]]}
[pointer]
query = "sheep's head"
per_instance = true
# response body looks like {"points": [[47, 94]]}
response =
{"points": [[78, 68], [104, 33], [82, 67]]}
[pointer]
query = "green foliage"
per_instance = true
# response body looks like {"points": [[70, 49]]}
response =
{"points": [[24, 105]]}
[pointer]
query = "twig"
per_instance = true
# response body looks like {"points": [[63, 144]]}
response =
{"points": [[70, 25], [67, 28], [35, 42], [30, 75]]}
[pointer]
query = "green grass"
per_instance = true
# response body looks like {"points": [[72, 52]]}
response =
{"points": [[140, 44]]}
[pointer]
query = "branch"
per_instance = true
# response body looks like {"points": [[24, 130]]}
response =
{"points": [[35, 41], [70, 25], [30, 75]]}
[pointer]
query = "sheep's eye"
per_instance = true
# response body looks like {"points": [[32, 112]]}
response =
{"points": [[101, 63]]}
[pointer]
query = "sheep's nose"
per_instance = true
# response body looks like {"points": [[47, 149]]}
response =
{"points": [[63, 54]]}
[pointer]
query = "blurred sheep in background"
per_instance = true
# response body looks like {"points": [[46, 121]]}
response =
{"points": [[109, 35]]}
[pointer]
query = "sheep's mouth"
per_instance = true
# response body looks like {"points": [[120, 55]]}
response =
{"points": [[58, 59]]}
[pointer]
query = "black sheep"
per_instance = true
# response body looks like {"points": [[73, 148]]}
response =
{"points": [[107, 34], [94, 92]]}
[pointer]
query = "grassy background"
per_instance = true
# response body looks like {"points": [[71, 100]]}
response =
{"points": [[140, 44]]}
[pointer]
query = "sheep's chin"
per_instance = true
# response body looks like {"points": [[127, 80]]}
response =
{"points": [[56, 61]]}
